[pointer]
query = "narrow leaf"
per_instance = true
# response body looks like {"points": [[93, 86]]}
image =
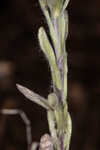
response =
{"points": [[62, 25], [68, 132], [63, 28], [65, 4], [33, 96], [48, 51], [44, 7]]}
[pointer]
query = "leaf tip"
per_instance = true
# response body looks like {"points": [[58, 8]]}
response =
{"points": [[19, 86]]}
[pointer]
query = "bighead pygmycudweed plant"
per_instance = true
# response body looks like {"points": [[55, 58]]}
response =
{"points": [[56, 105]]}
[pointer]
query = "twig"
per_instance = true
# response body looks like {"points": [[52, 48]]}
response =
{"points": [[25, 120]]}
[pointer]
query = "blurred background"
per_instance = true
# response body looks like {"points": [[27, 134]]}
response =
{"points": [[22, 61]]}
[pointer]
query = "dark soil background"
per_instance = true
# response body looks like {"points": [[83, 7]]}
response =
{"points": [[22, 61]]}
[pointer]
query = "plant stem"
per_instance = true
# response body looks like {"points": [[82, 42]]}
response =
{"points": [[59, 119]]}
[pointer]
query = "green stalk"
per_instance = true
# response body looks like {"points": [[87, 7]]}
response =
{"points": [[59, 119]]}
